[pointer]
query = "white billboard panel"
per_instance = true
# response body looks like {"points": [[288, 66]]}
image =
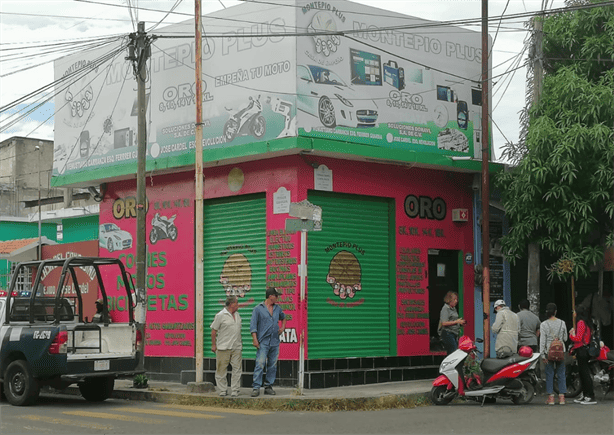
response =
{"points": [[249, 82], [336, 70], [377, 77]]}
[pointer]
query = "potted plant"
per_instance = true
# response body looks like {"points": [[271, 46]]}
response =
{"points": [[140, 381]]}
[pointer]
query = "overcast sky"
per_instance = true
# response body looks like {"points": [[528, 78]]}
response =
{"points": [[46, 23]]}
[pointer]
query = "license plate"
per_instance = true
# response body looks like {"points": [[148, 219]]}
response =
{"points": [[102, 364]]}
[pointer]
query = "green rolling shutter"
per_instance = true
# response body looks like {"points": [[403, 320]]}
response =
{"points": [[235, 257], [353, 249]]}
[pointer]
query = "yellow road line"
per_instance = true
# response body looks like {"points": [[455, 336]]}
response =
{"points": [[214, 409], [168, 413], [66, 422], [113, 416]]}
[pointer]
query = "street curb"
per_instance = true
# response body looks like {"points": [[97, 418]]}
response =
{"points": [[295, 403]]}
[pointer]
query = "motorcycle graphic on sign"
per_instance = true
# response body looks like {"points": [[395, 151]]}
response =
{"points": [[247, 121], [163, 228]]}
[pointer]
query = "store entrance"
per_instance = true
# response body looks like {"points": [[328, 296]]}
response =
{"points": [[443, 277]]}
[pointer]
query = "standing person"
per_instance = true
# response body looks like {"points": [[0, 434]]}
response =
{"points": [[529, 326], [265, 331], [581, 338], [506, 328], [450, 322], [227, 344], [549, 330]]}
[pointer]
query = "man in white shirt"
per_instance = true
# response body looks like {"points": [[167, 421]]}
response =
{"points": [[506, 327], [227, 344]]}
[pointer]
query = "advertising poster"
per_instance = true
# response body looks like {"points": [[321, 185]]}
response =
{"points": [[248, 87], [170, 265], [334, 70], [88, 284], [386, 79]]}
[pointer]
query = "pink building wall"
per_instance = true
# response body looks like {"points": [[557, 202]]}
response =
{"points": [[414, 237]]}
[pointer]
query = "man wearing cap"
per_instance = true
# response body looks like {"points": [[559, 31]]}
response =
{"points": [[265, 330], [506, 327], [98, 317]]}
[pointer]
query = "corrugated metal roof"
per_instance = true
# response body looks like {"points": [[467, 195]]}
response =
{"points": [[10, 246]]}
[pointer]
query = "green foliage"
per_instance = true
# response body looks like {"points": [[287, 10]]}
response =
{"points": [[561, 194]]}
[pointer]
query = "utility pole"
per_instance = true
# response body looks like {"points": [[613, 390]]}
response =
{"points": [[198, 202], [485, 183], [533, 277], [139, 53], [39, 148]]}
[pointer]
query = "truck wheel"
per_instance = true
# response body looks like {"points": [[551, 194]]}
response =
{"points": [[20, 387], [97, 389]]}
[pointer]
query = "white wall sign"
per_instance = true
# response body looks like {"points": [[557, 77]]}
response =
{"points": [[323, 178], [281, 201]]}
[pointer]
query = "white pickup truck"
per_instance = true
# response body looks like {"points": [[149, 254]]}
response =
{"points": [[45, 338]]}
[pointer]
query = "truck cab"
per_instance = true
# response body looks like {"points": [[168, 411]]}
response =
{"points": [[47, 339]]}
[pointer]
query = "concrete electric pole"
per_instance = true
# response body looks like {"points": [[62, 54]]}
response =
{"points": [[139, 53], [199, 343], [485, 183], [533, 274]]}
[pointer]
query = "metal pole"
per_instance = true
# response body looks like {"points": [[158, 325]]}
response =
{"points": [[534, 265], [485, 182], [40, 247], [198, 193], [142, 53], [303, 275]]}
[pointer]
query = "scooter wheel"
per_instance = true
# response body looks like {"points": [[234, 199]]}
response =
{"points": [[440, 395], [526, 395]]}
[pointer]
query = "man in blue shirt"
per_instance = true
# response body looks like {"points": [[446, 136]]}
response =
{"points": [[265, 331]]}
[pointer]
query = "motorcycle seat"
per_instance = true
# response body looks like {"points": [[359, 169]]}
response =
{"points": [[493, 365]]}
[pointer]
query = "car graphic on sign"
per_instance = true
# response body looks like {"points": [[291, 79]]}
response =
{"points": [[113, 238], [322, 93]]}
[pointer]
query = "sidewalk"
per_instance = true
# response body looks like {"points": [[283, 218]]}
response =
{"points": [[384, 395]]}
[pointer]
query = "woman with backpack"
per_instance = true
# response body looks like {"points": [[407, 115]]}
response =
{"points": [[581, 338], [552, 335]]}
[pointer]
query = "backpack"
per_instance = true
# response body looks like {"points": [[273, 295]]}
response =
{"points": [[556, 351], [593, 345]]}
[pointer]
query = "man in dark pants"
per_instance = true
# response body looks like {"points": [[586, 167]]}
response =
{"points": [[265, 330]]}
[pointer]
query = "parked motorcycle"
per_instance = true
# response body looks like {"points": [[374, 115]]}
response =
{"points": [[602, 371], [162, 228], [247, 121], [509, 378]]}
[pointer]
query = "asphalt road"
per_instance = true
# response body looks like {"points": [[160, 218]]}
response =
{"points": [[56, 414]]}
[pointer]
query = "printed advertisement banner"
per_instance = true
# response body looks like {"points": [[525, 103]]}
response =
{"points": [[88, 284], [384, 79], [170, 261], [338, 70]]}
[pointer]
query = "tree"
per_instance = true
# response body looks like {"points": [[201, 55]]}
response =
{"points": [[560, 193]]}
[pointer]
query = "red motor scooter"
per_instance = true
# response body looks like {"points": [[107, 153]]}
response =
{"points": [[601, 369], [509, 378]]}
